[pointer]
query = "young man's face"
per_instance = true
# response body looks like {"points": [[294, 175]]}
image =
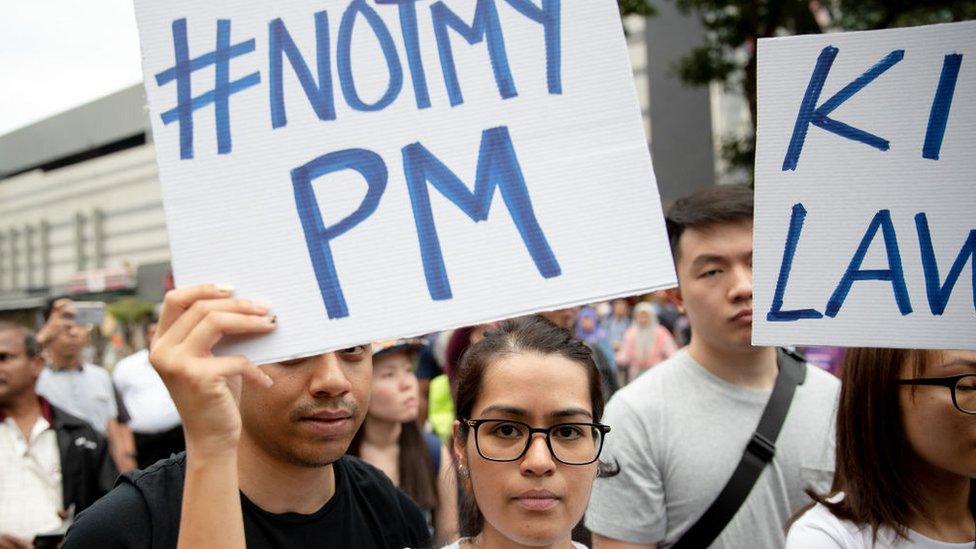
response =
{"points": [[310, 414], [18, 372], [715, 284]]}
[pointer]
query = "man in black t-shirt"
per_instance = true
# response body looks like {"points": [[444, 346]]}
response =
{"points": [[264, 465]]}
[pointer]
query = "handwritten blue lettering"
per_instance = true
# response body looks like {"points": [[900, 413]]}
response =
{"points": [[497, 168]]}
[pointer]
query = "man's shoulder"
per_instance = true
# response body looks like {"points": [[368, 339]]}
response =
{"points": [[164, 474], [121, 518], [142, 509], [822, 378], [637, 392], [373, 488], [366, 477], [821, 385], [373, 485]]}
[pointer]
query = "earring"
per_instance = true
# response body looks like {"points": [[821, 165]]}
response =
{"points": [[463, 471]]}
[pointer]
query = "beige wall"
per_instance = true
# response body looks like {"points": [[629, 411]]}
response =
{"points": [[100, 213]]}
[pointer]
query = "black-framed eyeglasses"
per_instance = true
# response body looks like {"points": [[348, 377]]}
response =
{"points": [[963, 389], [508, 440]]}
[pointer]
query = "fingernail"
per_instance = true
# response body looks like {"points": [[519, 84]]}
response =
{"points": [[268, 382], [225, 288], [273, 319], [261, 305]]}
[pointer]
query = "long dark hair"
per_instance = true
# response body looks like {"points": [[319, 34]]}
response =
{"points": [[520, 335], [873, 455], [417, 476]]}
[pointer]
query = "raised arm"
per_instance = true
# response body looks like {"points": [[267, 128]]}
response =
{"points": [[206, 390]]}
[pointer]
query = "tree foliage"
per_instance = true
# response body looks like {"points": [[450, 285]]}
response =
{"points": [[635, 7]]}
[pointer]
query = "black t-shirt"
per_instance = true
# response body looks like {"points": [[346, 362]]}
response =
{"points": [[367, 511]]}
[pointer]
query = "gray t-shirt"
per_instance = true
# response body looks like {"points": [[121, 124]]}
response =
{"points": [[678, 433], [87, 393]]}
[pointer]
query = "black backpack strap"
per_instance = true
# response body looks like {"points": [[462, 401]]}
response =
{"points": [[759, 451]]}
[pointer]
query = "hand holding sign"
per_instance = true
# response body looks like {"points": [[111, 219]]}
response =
{"points": [[205, 388]]}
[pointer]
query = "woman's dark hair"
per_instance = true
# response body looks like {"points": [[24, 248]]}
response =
{"points": [[417, 476], [529, 334], [873, 466]]}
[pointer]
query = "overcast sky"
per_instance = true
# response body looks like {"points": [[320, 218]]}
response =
{"points": [[58, 54]]}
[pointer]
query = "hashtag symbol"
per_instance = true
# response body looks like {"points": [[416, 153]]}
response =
{"points": [[219, 95]]}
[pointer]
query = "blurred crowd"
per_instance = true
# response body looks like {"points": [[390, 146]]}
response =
{"points": [[639, 422]]}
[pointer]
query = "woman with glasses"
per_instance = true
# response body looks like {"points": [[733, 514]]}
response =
{"points": [[527, 439], [906, 455]]}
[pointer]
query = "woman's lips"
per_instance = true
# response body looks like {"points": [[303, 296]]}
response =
{"points": [[537, 500]]}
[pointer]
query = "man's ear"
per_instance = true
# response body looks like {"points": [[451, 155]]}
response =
{"points": [[674, 296]]}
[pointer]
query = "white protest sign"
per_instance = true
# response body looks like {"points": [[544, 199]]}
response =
{"points": [[381, 169], [865, 231]]}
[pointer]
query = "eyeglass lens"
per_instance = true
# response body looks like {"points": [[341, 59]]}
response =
{"points": [[966, 394], [572, 443]]}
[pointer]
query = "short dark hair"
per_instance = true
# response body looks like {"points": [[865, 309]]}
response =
{"points": [[31, 348], [872, 456], [531, 333], [709, 206]]}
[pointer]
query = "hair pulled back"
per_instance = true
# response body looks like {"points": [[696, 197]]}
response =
{"points": [[528, 334]]}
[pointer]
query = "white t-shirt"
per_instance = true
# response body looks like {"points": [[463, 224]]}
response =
{"points": [[86, 393], [678, 432], [818, 528], [151, 409]]}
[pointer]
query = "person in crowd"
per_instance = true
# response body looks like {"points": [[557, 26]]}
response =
{"points": [[458, 343], [439, 389], [428, 368], [646, 342], [906, 455], [82, 389], [588, 327], [264, 464], [667, 314], [50, 460], [566, 319], [680, 429], [391, 440], [527, 436], [617, 323], [152, 415]]}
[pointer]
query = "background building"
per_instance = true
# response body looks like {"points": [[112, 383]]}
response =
{"points": [[80, 207]]}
